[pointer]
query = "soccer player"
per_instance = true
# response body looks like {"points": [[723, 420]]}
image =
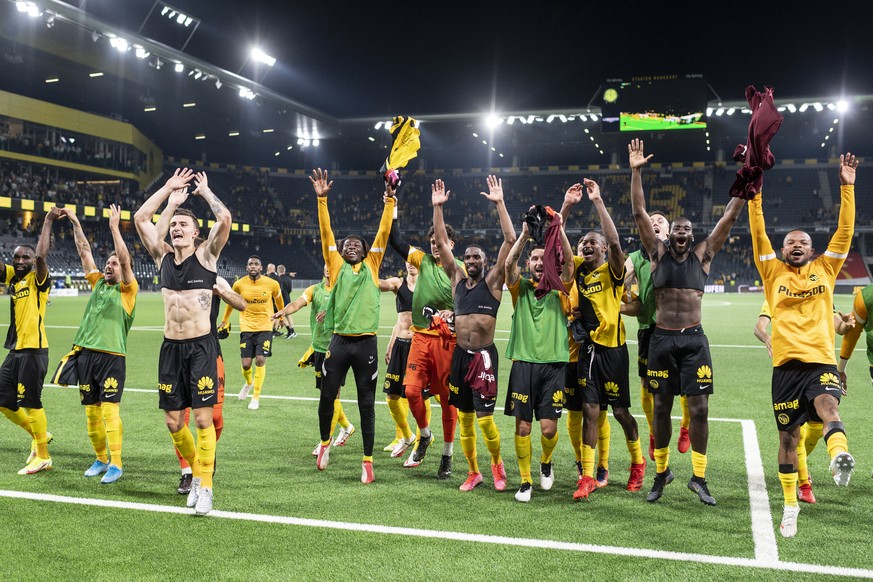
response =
{"points": [[221, 291], [318, 297], [396, 357], [603, 358], [639, 274], [539, 352], [806, 383], [477, 294], [255, 326], [99, 365], [187, 368], [430, 356], [286, 283], [679, 358], [22, 373], [353, 314], [810, 432]]}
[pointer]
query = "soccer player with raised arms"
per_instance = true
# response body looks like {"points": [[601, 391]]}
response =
{"points": [[806, 383]]}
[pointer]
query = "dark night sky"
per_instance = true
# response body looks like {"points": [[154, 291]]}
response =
{"points": [[371, 59]]}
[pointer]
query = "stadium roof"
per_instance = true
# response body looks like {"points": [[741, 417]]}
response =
{"points": [[342, 67]]}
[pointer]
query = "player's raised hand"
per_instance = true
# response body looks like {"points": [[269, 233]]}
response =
{"points": [[637, 158], [573, 195], [179, 179], [55, 214], [438, 193], [848, 165], [320, 182], [202, 184], [495, 189], [592, 189], [114, 216], [178, 197]]}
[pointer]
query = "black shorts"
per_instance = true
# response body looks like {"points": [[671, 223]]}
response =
{"points": [[795, 385], [603, 376], [679, 362], [21, 378], [255, 343], [188, 373], [397, 368], [101, 376], [644, 338], [535, 390], [461, 396], [573, 386]]}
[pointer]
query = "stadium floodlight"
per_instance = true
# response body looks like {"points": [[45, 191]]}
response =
{"points": [[586, 130], [198, 74], [780, 109], [803, 107], [831, 107], [475, 134], [818, 107], [277, 154], [842, 106], [200, 136], [551, 118], [730, 111], [371, 138], [262, 57], [52, 80], [484, 142], [289, 148], [593, 116], [709, 111], [719, 111], [316, 142], [510, 120], [95, 74], [268, 130], [179, 67], [21, 6], [493, 149], [191, 104], [791, 108], [218, 83], [165, 10], [233, 134], [141, 53], [33, 10], [501, 155]]}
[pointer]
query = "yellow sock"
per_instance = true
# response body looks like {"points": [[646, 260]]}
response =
{"points": [[548, 445], [366, 458], [802, 467], [698, 464], [395, 407], [574, 428], [39, 429], [662, 459], [260, 374], [96, 431], [114, 430], [341, 417], [184, 441], [18, 417], [491, 436], [837, 443], [814, 431], [206, 453], [789, 486], [686, 416], [522, 451], [636, 452], [467, 425], [647, 401], [604, 434], [247, 375], [404, 411], [334, 418], [587, 461]]}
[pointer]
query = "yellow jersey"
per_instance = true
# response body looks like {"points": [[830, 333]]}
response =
{"points": [[260, 295], [29, 298]]}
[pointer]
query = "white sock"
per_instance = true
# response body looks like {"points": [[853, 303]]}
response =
{"points": [[448, 448]]}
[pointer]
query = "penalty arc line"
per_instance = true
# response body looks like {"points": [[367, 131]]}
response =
{"points": [[758, 563]]}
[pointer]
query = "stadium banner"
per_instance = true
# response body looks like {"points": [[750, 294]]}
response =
{"points": [[854, 271]]}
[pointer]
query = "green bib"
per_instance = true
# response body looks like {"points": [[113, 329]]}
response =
{"points": [[353, 308], [646, 292], [433, 288], [105, 324], [321, 334], [539, 327]]}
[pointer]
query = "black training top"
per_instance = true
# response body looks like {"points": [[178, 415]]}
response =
{"points": [[476, 300], [688, 274], [403, 300], [190, 274]]}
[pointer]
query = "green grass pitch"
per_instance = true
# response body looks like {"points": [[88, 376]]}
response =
{"points": [[265, 468]]}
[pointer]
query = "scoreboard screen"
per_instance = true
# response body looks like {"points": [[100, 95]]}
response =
{"points": [[655, 103]]}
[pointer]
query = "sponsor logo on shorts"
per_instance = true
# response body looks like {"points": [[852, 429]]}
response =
{"points": [[658, 373], [327, 354], [583, 382], [704, 376], [489, 404], [611, 388], [783, 418], [519, 397], [110, 385], [412, 367], [205, 384], [558, 399], [654, 384], [387, 383], [829, 379], [242, 345], [267, 346], [165, 388], [793, 405], [20, 390], [83, 387], [569, 390], [453, 388]]}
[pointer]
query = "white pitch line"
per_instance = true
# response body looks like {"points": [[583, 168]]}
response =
{"points": [[406, 532], [763, 533]]}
